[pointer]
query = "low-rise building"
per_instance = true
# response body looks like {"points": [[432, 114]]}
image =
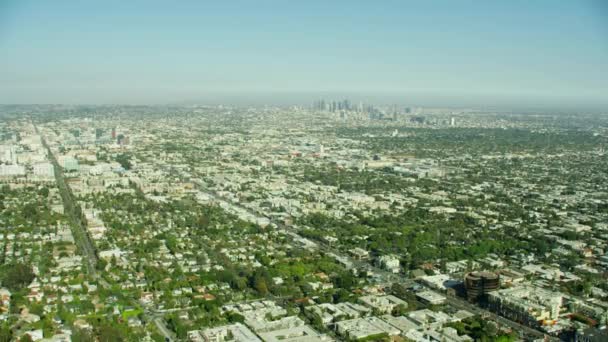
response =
{"points": [[531, 305], [359, 328], [235, 332], [382, 304], [431, 297], [389, 263]]}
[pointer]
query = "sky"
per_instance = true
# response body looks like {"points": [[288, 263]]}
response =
{"points": [[461, 53]]}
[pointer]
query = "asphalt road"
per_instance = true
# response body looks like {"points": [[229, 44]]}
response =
{"points": [[160, 324], [81, 237]]}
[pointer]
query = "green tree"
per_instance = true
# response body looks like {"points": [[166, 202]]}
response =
{"points": [[6, 334], [260, 285], [109, 333], [17, 276], [44, 192], [345, 280], [341, 295], [124, 160], [234, 317], [26, 338]]}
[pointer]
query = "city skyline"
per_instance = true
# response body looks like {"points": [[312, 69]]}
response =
{"points": [[520, 54], [303, 171]]}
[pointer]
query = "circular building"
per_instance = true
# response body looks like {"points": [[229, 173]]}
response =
{"points": [[479, 284]]}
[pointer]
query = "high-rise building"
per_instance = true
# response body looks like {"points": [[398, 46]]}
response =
{"points": [[479, 284]]}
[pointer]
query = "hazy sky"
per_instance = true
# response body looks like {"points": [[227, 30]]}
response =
{"points": [[462, 52]]}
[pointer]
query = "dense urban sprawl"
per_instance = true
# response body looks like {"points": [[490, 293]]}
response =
{"points": [[336, 222]]}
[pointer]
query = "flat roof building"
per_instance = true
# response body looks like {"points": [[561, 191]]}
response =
{"points": [[528, 304]]}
